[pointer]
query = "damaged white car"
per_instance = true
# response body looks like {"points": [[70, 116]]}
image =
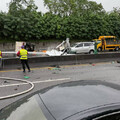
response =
{"points": [[82, 47]]}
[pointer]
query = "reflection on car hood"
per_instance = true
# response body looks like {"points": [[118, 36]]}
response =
{"points": [[79, 97], [68, 101]]}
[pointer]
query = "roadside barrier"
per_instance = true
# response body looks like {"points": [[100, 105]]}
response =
{"points": [[62, 60]]}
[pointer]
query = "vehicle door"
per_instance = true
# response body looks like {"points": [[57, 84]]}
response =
{"points": [[86, 47], [79, 48]]}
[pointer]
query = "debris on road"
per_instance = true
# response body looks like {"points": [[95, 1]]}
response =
{"points": [[26, 77], [6, 81]]}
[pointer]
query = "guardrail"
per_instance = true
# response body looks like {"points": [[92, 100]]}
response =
{"points": [[61, 60]]}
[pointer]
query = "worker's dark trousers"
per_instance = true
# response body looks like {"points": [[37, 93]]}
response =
{"points": [[25, 62], [1, 63]]}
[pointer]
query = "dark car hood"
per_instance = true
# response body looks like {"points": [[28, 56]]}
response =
{"points": [[70, 101]]}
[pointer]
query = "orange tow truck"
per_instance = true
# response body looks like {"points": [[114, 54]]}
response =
{"points": [[108, 43]]}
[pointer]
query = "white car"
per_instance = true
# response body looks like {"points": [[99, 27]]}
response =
{"points": [[83, 47]]}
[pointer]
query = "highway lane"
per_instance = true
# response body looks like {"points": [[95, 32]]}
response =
{"points": [[48, 76]]}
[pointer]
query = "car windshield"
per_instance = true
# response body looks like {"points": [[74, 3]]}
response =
{"points": [[98, 41]]}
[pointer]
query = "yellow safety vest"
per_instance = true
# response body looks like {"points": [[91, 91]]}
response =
{"points": [[23, 54], [0, 54]]}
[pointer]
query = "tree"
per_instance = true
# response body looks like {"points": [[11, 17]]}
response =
{"points": [[73, 7], [18, 7]]}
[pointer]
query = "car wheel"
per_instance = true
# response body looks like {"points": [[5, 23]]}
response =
{"points": [[117, 48], [91, 52], [99, 49]]}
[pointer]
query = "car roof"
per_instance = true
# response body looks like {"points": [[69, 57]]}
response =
{"points": [[78, 99]]}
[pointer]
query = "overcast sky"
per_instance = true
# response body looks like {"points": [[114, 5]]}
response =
{"points": [[107, 4]]}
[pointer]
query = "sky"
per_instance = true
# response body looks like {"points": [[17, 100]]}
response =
{"points": [[108, 5]]}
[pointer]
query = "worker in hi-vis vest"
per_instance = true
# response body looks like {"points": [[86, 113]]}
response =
{"points": [[23, 57], [0, 59], [0, 54]]}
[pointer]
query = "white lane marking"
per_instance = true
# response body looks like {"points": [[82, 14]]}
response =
{"points": [[35, 82]]}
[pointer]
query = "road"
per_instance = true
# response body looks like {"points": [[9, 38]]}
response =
{"points": [[48, 76]]}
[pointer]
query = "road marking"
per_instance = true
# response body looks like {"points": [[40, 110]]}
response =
{"points": [[22, 70], [35, 82], [10, 70]]}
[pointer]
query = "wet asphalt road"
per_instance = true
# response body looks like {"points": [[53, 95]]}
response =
{"points": [[44, 77]]}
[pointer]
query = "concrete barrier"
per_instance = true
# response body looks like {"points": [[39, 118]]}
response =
{"points": [[61, 60]]}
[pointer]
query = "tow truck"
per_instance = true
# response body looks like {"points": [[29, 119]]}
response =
{"points": [[107, 43]]}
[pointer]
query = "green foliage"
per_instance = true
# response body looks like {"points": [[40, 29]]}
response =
{"points": [[73, 7], [21, 7], [23, 22]]}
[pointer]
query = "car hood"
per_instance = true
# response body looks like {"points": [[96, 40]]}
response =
{"points": [[68, 101]]}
